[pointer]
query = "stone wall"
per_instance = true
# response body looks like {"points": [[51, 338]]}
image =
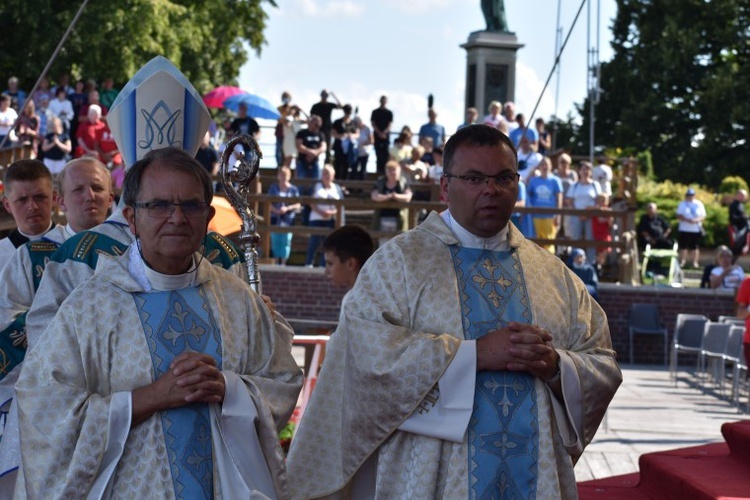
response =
{"points": [[302, 293]]}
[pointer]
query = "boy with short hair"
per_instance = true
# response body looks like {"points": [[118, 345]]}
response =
{"points": [[29, 197], [346, 250]]}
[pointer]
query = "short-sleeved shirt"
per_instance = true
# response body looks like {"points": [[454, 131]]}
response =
{"points": [[311, 140], [434, 130], [543, 193], [527, 162], [381, 118], [245, 125], [88, 132], [691, 210], [583, 195], [732, 280], [323, 110], [107, 144], [286, 219], [515, 135]]}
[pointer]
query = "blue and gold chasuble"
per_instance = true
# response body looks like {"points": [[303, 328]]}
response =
{"points": [[174, 322], [503, 429]]}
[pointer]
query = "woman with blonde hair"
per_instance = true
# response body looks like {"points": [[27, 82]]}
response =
{"points": [[725, 275], [494, 117]]}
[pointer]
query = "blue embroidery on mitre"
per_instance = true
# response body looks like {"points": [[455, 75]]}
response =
{"points": [[160, 127], [157, 108]]}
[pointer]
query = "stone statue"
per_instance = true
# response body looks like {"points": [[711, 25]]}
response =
{"points": [[494, 15]]}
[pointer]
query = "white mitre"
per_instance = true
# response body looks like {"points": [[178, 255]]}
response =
{"points": [[157, 108]]}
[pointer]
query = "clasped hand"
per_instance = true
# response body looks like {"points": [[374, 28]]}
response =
{"points": [[192, 378], [518, 347]]}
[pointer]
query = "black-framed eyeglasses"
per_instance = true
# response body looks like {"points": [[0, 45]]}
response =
{"points": [[164, 209], [506, 179]]}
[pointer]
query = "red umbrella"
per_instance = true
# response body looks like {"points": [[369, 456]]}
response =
{"points": [[216, 98]]}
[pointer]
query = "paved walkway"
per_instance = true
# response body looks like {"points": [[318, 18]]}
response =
{"points": [[650, 414]]}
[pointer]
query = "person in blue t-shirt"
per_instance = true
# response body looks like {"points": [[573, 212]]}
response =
{"points": [[545, 190], [433, 130]]}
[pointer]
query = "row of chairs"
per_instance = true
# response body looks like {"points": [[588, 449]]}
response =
{"points": [[716, 346]]}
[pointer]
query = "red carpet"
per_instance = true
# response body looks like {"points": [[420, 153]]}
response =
{"points": [[714, 471]]}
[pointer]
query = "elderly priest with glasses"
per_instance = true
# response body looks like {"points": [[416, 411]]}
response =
{"points": [[162, 375], [155, 374], [486, 382]]}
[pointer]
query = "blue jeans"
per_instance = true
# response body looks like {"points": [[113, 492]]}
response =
{"points": [[279, 151], [307, 170], [315, 241]]}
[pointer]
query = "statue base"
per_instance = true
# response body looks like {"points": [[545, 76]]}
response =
{"points": [[490, 68]]}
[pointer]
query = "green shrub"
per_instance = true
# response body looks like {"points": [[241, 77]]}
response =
{"points": [[732, 184]]}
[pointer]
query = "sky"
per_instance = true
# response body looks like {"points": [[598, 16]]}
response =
{"points": [[407, 49]]}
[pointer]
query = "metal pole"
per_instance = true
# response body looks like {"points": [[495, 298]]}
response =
{"points": [[590, 78], [558, 41]]}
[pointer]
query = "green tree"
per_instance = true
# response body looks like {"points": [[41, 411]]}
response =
{"points": [[679, 86], [206, 39], [567, 133]]}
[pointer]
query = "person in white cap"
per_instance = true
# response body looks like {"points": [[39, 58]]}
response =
{"points": [[691, 213]]}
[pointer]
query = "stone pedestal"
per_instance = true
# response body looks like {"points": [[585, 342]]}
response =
{"points": [[490, 68]]}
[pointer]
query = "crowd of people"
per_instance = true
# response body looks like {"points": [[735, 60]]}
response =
{"points": [[62, 122], [347, 142]]}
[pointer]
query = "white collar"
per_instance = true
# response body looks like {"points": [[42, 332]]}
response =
{"points": [[34, 237], [152, 280], [499, 242], [69, 232]]}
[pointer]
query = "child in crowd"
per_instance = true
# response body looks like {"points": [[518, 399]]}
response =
{"points": [[346, 250], [585, 271]]}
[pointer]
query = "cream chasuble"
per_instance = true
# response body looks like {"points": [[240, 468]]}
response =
{"points": [[114, 334], [403, 326]]}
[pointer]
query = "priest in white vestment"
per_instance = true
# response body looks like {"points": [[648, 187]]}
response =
{"points": [[157, 88], [162, 376], [468, 361], [85, 195]]}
